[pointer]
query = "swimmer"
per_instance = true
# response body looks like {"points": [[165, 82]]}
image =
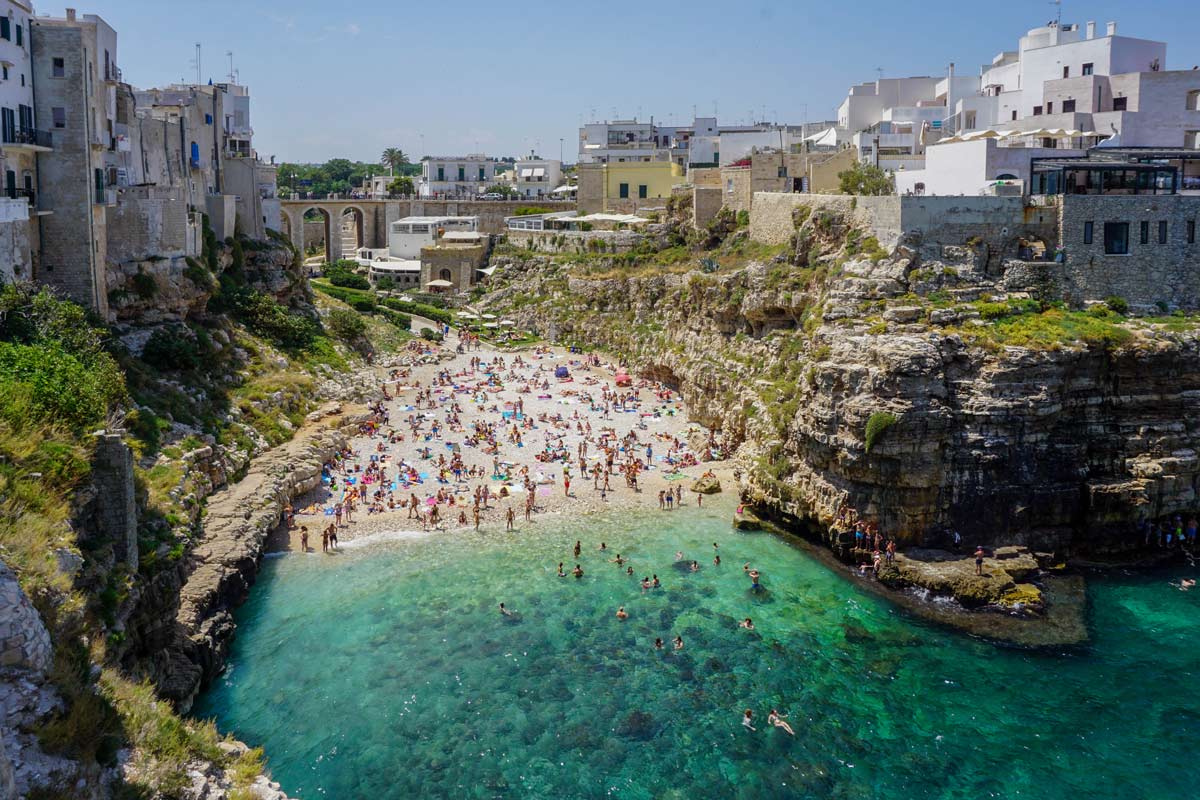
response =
{"points": [[603, 547], [561, 574], [577, 549], [679, 555], [747, 623], [621, 613], [1186, 584], [716, 561], [645, 583], [505, 611], [578, 571], [746, 567], [776, 719], [748, 720], [618, 560], [678, 642], [629, 570], [655, 584], [658, 644], [695, 566]]}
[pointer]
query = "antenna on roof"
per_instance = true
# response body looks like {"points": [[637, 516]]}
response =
{"points": [[232, 73], [196, 63], [880, 71], [1058, 16]]}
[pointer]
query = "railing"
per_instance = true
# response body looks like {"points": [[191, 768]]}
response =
{"points": [[14, 193], [28, 136], [112, 73]]}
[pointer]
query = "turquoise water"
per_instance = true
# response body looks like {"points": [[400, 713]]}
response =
{"points": [[387, 672]]}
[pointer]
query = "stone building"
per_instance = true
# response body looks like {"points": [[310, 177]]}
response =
{"points": [[75, 75], [455, 259], [21, 141]]}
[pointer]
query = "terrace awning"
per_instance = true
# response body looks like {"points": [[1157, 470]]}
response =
{"points": [[440, 284]]}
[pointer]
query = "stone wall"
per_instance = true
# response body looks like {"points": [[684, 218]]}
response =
{"points": [[14, 241], [706, 204], [996, 223], [1152, 273], [114, 517], [460, 261], [571, 241], [24, 640], [146, 223], [736, 183]]}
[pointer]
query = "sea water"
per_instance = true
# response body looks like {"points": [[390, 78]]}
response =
{"points": [[387, 672]]}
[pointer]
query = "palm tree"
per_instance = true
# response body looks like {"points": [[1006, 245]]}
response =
{"points": [[393, 157]]}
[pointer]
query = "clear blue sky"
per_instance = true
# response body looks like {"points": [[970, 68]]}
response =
{"points": [[347, 79]]}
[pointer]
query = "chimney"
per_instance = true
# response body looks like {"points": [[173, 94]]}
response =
{"points": [[1112, 29], [1091, 29], [70, 15]]}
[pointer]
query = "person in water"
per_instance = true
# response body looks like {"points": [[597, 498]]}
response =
{"points": [[747, 623], [505, 611], [678, 642], [655, 582], [695, 566], [748, 720], [717, 560], [561, 574], [578, 571], [603, 547], [776, 719], [658, 643], [577, 549], [621, 613], [679, 555], [754, 576], [618, 560]]}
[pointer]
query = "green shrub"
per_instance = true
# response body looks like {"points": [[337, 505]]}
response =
{"points": [[346, 325], [262, 315], [743, 219], [525, 211], [1119, 305], [58, 386], [173, 348], [197, 274], [385, 283], [430, 335], [419, 310], [877, 423], [144, 285], [341, 275]]}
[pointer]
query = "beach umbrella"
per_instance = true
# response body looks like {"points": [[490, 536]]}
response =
{"points": [[467, 315], [489, 316], [490, 325], [507, 322]]}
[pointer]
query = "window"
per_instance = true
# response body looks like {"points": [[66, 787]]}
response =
{"points": [[4, 74], [59, 68], [1037, 111], [1068, 107], [1066, 72], [5, 28], [1191, 231], [481, 173], [643, 191], [1193, 100], [1088, 69], [1050, 107], [1088, 227], [208, 119], [623, 190], [729, 185], [1162, 232], [462, 173], [20, 37], [1014, 115], [1116, 238], [445, 275], [1145, 237], [60, 116], [1120, 103]]}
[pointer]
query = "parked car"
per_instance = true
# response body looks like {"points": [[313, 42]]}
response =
{"points": [[491, 196]]}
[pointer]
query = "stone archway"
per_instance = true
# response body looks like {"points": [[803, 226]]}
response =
{"points": [[330, 246], [351, 225]]}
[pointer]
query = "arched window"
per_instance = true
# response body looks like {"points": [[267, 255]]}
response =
{"points": [[445, 275]]}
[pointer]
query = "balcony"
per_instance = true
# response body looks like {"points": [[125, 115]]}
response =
{"points": [[29, 139], [14, 193], [112, 73]]}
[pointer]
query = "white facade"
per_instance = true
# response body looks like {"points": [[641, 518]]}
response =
{"points": [[534, 178], [969, 168], [1088, 79], [407, 236], [20, 137], [704, 142], [458, 177]]}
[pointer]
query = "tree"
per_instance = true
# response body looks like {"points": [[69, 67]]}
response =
{"points": [[338, 170], [866, 179], [401, 186], [393, 158]]}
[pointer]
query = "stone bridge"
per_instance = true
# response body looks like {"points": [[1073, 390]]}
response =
{"points": [[371, 218]]}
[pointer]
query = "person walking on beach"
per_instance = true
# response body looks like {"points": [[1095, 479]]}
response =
{"points": [[304, 538], [510, 518], [333, 537], [325, 540]]}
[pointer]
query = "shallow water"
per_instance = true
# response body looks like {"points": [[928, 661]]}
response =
{"points": [[387, 672]]}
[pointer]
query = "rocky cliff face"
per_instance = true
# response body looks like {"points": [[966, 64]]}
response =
{"points": [[994, 412]]}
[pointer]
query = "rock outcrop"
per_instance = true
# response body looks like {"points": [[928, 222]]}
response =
{"points": [[222, 567], [902, 388]]}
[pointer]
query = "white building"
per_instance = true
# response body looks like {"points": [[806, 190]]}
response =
{"points": [[20, 141], [533, 178], [891, 121], [407, 236], [464, 176], [1062, 76], [703, 143]]}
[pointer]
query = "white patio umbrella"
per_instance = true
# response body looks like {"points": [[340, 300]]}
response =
{"points": [[490, 325], [507, 323], [489, 316]]}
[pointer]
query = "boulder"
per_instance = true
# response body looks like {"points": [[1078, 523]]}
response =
{"points": [[747, 520], [707, 485]]}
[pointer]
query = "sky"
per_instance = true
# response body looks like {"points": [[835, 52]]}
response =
{"points": [[348, 79]]}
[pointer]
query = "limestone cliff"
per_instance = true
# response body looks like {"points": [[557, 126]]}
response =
{"points": [[996, 411]]}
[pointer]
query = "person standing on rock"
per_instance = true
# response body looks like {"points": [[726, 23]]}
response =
{"points": [[979, 560]]}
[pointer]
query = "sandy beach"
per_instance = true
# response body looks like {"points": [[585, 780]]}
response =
{"points": [[477, 405]]}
